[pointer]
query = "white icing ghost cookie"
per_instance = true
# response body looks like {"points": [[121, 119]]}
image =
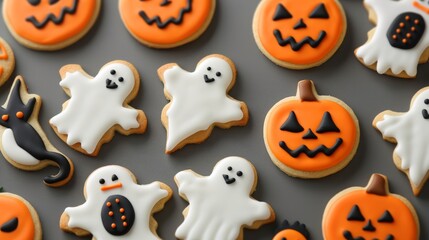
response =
{"points": [[409, 130], [397, 45], [98, 106], [220, 205], [116, 207], [199, 101]]}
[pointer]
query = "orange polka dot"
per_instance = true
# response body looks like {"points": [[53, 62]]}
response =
{"points": [[20, 115], [5, 117]]}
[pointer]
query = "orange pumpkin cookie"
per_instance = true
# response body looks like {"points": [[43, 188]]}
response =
{"points": [[18, 219], [7, 61], [371, 212], [299, 34], [311, 136], [49, 24], [166, 23], [296, 231]]}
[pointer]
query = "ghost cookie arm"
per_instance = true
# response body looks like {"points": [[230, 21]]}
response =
{"points": [[73, 76], [186, 181], [257, 211], [77, 220], [387, 123], [127, 118], [171, 75], [154, 192]]}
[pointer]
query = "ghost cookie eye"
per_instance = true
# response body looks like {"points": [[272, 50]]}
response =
{"points": [[115, 177], [102, 181]]}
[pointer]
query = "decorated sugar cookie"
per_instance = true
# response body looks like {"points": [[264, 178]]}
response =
{"points": [[408, 130], [370, 212], [299, 34], [18, 219], [116, 207], [49, 24], [166, 23], [23, 142], [397, 44], [309, 135], [295, 231], [98, 106], [199, 101], [7, 61], [220, 205]]}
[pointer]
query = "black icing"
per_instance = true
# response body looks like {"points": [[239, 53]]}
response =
{"points": [[319, 12], [207, 79], [386, 218], [291, 124], [327, 124], [10, 225], [348, 236], [157, 20], [296, 46], [118, 218], [114, 177], [355, 214], [111, 84], [52, 2], [239, 173], [165, 2], [300, 24], [27, 137], [426, 101], [369, 227], [51, 17], [425, 114], [34, 2], [406, 30], [227, 179], [311, 153], [309, 135], [281, 13]]}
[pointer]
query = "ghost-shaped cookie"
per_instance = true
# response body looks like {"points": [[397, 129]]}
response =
{"points": [[410, 131], [98, 106], [116, 207], [396, 46], [199, 101], [220, 205]]}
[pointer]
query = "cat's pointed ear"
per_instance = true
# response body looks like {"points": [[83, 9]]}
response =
{"points": [[14, 98]]}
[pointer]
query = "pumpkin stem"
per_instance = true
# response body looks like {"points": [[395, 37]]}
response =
{"points": [[378, 185], [306, 91], [1, 189]]}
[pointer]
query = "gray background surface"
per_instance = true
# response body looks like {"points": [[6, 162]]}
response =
{"points": [[260, 84]]}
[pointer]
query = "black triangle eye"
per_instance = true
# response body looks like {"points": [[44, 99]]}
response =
{"points": [[52, 2], [355, 214], [114, 177], [327, 124], [34, 2], [10, 225], [386, 218], [281, 13], [319, 12], [291, 124]]}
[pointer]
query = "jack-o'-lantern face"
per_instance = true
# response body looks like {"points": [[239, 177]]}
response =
{"points": [[16, 219], [311, 133], [166, 23], [47, 24], [296, 231], [7, 61], [299, 33], [370, 213]]}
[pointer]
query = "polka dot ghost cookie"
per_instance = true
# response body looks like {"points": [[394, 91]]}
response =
{"points": [[199, 101], [116, 206], [98, 106], [7, 61], [49, 24], [398, 42], [220, 205], [166, 23]]}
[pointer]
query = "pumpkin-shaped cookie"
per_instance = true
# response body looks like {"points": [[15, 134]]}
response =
{"points": [[7, 61], [18, 219], [49, 24], [370, 213], [311, 136], [299, 34], [295, 231], [166, 23]]}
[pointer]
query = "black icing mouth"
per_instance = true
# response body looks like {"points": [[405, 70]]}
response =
{"points": [[228, 180], [348, 236], [10, 225], [425, 114], [111, 84], [298, 45], [51, 17], [207, 79], [157, 20], [311, 153]]}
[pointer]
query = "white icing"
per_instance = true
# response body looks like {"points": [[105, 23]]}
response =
{"points": [[15, 152], [93, 108], [218, 210], [411, 132], [143, 198], [196, 105], [378, 50]]}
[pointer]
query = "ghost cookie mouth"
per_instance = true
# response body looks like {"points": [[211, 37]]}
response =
{"points": [[111, 84], [163, 24], [207, 79], [51, 17], [296, 46], [227, 179], [311, 153], [111, 187]]}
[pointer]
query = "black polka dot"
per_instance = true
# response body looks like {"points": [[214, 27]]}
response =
{"points": [[102, 181], [239, 173], [209, 69], [218, 74], [229, 168], [427, 101], [121, 79], [113, 72]]}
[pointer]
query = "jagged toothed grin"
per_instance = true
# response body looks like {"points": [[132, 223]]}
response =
{"points": [[348, 236], [52, 18], [311, 153], [172, 20], [296, 46]]}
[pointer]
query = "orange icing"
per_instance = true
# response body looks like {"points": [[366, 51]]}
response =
{"points": [[309, 115], [11, 207], [289, 234], [334, 27], [3, 56], [16, 12], [191, 24], [372, 207]]}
